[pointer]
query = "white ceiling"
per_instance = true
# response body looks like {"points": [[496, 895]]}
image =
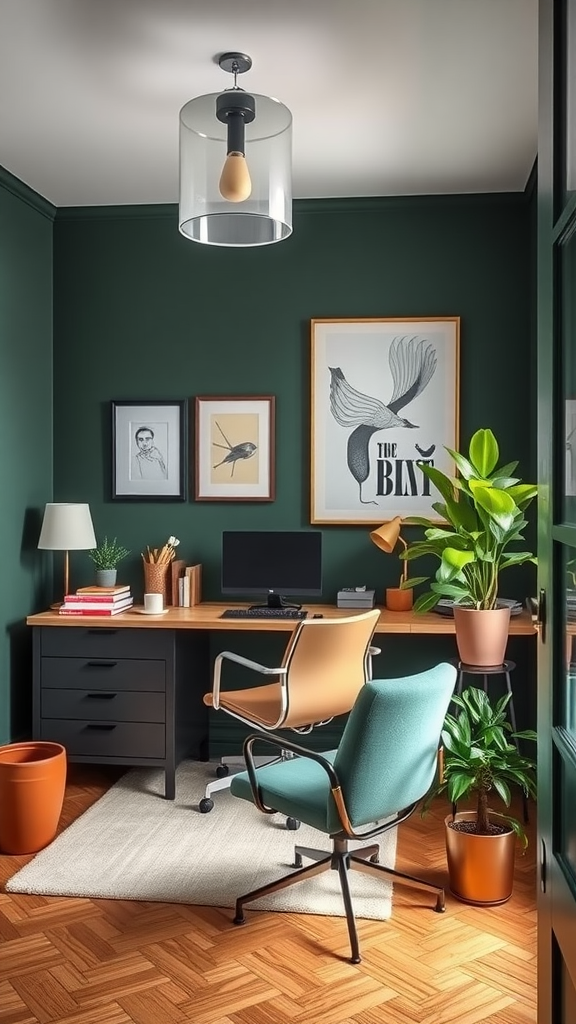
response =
{"points": [[389, 97]]}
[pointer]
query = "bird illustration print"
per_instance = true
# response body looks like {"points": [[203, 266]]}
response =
{"points": [[412, 365], [245, 450]]}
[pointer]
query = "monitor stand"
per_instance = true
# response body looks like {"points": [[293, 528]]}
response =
{"points": [[276, 601]]}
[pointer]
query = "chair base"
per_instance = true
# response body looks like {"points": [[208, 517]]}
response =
{"points": [[342, 860]]}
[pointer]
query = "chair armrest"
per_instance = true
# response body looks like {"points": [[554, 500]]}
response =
{"points": [[372, 651], [239, 660]]}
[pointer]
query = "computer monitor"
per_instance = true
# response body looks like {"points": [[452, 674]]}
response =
{"points": [[272, 563]]}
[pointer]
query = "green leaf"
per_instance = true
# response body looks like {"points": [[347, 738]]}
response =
{"points": [[441, 482], [414, 581], [484, 452], [523, 494], [502, 790], [466, 469], [506, 470], [504, 483], [494, 501], [456, 559], [459, 785], [425, 602]]}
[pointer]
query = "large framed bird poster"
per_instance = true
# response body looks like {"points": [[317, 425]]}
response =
{"points": [[385, 399], [234, 448]]}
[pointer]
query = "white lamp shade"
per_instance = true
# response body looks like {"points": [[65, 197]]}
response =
{"points": [[266, 215], [67, 527]]}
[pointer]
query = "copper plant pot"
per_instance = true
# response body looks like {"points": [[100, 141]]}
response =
{"points": [[399, 600], [32, 784], [481, 868], [481, 636]]}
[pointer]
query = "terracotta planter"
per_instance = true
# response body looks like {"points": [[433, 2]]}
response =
{"points": [[32, 783], [399, 600], [481, 868], [481, 636]]}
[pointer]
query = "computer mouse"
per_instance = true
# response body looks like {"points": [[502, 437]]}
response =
{"points": [[317, 615]]}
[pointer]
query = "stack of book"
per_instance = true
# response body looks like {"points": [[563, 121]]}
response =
{"points": [[97, 601]]}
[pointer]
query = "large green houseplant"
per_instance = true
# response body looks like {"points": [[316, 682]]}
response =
{"points": [[482, 509], [481, 759]]}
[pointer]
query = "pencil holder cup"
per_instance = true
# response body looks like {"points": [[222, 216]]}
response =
{"points": [[157, 580]]}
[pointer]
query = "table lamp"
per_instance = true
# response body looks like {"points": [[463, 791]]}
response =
{"points": [[67, 527], [386, 537]]}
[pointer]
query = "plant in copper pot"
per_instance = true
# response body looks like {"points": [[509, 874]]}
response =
{"points": [[483, 518], [481, 759]]}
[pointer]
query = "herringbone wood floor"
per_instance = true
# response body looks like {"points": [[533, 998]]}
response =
{"points": [[79, 961]]}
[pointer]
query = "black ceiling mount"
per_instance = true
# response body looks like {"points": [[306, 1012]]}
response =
{"points": [[235, 63]]}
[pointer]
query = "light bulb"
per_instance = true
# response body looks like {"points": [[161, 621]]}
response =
{"points": [[235, 184]]}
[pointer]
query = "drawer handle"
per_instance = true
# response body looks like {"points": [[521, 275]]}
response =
{"points": [[102, 632], [101, 696], [101, 664], [101, 726]]}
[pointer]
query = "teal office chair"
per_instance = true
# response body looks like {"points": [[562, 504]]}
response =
{"points": [[383, 767]]}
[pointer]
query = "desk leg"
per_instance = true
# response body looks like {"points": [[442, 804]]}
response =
{"points": [[169, 783]]}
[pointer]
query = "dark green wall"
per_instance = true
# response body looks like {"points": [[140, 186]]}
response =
{"points": [[141, 312], [25, 433]]}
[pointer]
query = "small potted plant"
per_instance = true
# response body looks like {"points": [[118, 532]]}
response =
{"points": [[479, 760], [482, 513], [106, 558]]}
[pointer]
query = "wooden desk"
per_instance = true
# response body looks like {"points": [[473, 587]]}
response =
{"points": [[128, 689], [207, 616]]}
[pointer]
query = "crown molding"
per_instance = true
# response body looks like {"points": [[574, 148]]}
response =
{"points": [[10, 183]]}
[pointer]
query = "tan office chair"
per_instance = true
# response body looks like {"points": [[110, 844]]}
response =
{"points": [[326, 663]]}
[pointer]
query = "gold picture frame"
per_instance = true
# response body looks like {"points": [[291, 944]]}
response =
{"points": [[384, 397]]}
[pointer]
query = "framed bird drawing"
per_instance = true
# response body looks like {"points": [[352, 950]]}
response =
{"points": [[385, 398], [234, 448]]}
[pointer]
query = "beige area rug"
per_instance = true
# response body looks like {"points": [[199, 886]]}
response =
{"points": [[132, 844]]}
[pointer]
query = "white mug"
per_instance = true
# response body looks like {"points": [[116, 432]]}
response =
{"points": [[153, 603]]}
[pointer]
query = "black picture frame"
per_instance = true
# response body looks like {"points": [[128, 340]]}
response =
{"points": [[149, 456]]}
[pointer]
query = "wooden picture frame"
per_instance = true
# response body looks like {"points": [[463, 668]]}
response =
{"points": [[385, 396], [234, 448], [149, 450]]}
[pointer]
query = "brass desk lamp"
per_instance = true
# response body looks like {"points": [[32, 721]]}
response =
{"points": [[386, 537]]}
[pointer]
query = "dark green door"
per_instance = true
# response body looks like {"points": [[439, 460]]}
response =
{"points": [[557, 516]]}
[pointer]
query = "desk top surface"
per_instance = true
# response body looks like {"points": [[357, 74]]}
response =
{"points": [[208, 616]]}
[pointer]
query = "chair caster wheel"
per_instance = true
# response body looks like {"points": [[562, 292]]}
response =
{"points": [[375, 859], [205, 805], [222, 771], [292, 824]]}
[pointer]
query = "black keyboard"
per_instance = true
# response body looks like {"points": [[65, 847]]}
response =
{"points": [[263, 613]]}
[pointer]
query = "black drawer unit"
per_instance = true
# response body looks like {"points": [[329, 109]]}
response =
{"points": [[119, 695]]}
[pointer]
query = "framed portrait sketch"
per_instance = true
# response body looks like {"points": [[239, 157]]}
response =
{"points": [[149, 450], [234, 448], [385, 398]]}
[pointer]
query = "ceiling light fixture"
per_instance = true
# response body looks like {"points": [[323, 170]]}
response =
{"points": [[235, 165]]}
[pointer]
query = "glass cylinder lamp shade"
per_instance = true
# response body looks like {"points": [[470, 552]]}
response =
{"points": [[266, 215]]}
